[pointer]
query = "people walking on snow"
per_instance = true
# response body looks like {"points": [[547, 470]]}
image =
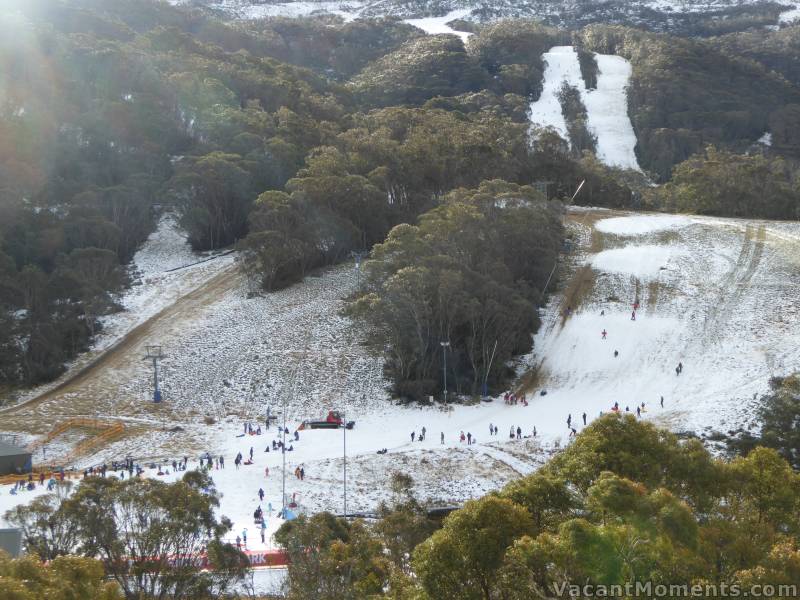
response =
{"points": [[469, 439], [302, 474], [662, 401], [680, 367], [266, 471], [519, 433], [424, 431], [261, 494], [584, 419], [573, 432], [604, 333], [413, 435], [511, 433], [638, 411], [534, 431], [602, 313], [462, 437], [569, 420], [441, 437], [633, 315]]}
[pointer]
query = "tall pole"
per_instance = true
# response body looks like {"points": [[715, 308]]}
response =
{"points": [[283, 452], [155, 378], [445, 346], [344, 450]]}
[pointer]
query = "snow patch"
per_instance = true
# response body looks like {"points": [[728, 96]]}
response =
{"points": [[640, 261], [640, 225], [439, 25]]}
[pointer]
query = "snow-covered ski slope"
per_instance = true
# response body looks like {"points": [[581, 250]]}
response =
{"points": [[720, 296], [606, 106], [561, 65]]}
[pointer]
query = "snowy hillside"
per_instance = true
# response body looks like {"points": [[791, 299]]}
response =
{"points": [[720, 296], [606, 106], [556, 12]]}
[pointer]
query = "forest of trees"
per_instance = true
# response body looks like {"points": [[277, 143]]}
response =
{"points": [[301, 141], [471, 273], [687, 93], [625, 502]]}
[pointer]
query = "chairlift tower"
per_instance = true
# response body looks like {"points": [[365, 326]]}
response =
{"points": [[155, 354]]}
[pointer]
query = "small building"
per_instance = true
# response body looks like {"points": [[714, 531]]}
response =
{"points": [[14, 460], [11, 542]]}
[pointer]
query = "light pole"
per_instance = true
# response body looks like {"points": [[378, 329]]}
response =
{"points": [[283, 453], [445, 346], [344, 451]]}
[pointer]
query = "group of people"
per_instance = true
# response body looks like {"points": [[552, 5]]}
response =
{"points": [[421, 437], [513, 399], [470, 439]]}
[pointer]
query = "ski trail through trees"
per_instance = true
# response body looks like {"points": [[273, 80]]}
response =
{"points": [[607, 106]]}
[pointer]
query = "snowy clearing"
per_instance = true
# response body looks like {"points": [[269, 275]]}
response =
{"points": [[606, 106], [437, 25], [561, 66], [640, 225], [644, 262]]}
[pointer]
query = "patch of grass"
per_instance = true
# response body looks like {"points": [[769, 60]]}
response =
{"points": [[530, 381], [598, 241], [653, 289], [578, 289]]}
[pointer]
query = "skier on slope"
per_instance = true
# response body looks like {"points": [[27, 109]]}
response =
{"points": [[604, 333]]}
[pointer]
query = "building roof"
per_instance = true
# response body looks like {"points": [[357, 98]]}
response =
{"points": [[11, 541], [7, 449]]}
